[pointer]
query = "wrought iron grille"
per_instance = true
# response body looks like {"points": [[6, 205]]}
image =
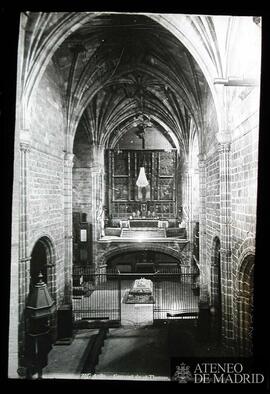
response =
{"points": [[175, 294], [99, 295], [96, 295]]}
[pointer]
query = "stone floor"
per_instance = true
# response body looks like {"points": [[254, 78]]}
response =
{"points": [[135, 352], [66, 361], [141, 353], [145, 352], [136, 348]]}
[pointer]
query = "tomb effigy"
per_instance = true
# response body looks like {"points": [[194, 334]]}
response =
{"points": [[141, 292]]}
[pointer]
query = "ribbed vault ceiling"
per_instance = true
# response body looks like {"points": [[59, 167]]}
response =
{"points": [[115, 65]]}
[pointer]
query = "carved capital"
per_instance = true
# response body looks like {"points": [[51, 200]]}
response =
{"points": [[224, 137], [25, 135], [68, 159], [25, 259], [96, 170], [25, 147], [201, 157], [224, 147], [201, 164]]}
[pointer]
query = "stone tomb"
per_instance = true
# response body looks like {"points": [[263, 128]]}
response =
{"points": [[141, 292]]}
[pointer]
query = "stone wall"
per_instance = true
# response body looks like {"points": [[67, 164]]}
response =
{"points": [[210, 126], [45, 177], [244, 162], [81, 190], [45, 201], [212, 207], [212, 200], [244, 171], [42, 189], [231, 201]]}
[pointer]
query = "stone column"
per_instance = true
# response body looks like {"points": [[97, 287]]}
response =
{"points": [[225, 242], [68, 164], [97, 198], [204, 280], [187, 197], [24, 258]]}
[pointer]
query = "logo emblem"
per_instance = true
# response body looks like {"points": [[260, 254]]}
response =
{"points": [[182, 374]]}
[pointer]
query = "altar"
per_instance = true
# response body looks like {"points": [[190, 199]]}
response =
{"points": [[143, 223], [147, 223]]}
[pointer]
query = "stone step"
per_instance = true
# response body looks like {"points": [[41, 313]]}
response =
{"points": [[95, 351], [143, 233]]}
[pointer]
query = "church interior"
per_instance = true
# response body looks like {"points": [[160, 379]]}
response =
{"points": [[134, 191]]}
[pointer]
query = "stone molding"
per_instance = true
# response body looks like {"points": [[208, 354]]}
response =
{"points": [[49, 240], [69, 159], [201, 158], [224, 147], [158, 248], [25, 259], [25, 146], [224, 137]]}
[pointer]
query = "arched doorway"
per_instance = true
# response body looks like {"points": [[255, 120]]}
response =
{"points": [[42, 262], [216, 290], [245, 306], [143, 261]]}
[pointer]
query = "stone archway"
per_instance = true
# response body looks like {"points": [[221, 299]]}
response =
{"points": [[216, 299], [68, 23], [143, 261], [105, 256], [42, 260], [245, 300]]}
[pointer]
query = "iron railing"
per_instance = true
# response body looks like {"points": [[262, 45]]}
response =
{"points": [[99, 295], [175, 294], [96, 295]]}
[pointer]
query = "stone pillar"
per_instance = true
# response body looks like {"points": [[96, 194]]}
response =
{"points": [[225, 243], [204, 280], [68, 164], [97, 198], [194, 195], [187, 199], [24, 258], [102, 269]]}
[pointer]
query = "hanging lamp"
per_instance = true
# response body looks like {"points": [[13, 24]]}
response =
{"points": [[144, 122], [142, 180]]}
